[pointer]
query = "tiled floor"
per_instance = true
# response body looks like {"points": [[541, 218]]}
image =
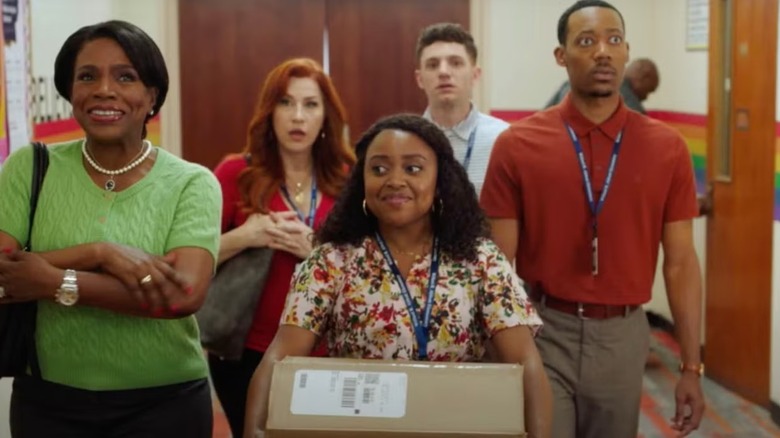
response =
{"points": [[727, 415]]}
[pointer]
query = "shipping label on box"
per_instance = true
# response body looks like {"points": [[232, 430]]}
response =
{"points": [[349, 393]]}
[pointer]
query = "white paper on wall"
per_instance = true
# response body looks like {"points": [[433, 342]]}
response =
{"points": [[17, 68]]}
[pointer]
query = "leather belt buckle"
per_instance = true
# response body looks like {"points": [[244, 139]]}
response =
{"points": [[581, 311]]}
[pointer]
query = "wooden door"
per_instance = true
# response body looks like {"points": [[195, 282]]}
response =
{"points": [[741, 141], [227, 47], [372, 53]]}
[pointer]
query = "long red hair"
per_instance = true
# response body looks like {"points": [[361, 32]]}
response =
{"points": [[332, 155]]}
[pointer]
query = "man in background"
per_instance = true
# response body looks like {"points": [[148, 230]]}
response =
{"points": [[641, 79], [446, 71]]}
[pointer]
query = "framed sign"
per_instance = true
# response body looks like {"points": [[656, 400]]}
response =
{"points": [[697, 25]]}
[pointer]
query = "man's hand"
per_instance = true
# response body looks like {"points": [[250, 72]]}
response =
{"points": [[689, 401]]}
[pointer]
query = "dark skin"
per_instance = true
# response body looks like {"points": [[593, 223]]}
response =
{"points": [[108, 277], [400, 184], [642, 75], [594, 55], [111, 104]]}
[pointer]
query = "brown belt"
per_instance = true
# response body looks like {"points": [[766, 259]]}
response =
{"points": [[582, 310]]}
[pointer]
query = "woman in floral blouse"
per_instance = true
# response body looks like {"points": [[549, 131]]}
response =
{"points": [[407, 224]]}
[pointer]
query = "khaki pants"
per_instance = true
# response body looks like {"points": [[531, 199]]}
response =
{"points": [[595, 369]]}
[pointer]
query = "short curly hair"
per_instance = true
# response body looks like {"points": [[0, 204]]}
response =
{"points": [[447, 33], [458, 220]]}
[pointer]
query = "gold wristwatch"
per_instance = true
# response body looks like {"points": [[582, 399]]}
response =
{"points": [[694, 368], [68, 292]]}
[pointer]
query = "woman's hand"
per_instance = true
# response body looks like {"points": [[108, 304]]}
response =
{"points": [[289, 341], [291, 235], [254, 232], [516, 345], [26, 276], [152, 280]]}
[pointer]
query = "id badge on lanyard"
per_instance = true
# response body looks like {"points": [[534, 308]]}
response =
{"points": [[595, 205], [470, 148], [420, 322]]}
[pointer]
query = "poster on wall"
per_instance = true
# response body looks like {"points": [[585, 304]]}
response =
{"points": [[16, 61], [697, 25]]}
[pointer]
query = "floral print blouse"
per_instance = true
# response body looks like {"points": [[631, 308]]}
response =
{"points": [[349, 294]]}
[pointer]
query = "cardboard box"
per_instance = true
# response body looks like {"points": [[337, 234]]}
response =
{"points": [[329, 398]]}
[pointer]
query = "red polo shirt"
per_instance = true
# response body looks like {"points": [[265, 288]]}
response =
{"points": [[534, 176]]}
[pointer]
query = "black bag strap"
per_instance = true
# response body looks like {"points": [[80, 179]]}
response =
{"points": [[40, 165]]}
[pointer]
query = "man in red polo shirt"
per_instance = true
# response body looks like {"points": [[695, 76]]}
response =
{"points": [[580, 196]]}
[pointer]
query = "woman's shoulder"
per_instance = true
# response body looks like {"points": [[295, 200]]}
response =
{"points": [[20, 160], [64, 147], [342, 252], [231, 164], [180, 166], [180, 175], [486, 246], [487, 254]]}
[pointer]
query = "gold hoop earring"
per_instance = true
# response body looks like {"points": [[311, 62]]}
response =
{"points": [[365, 210]]}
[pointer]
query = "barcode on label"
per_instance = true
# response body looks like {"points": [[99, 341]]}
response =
{"points": [[345, 393], [372, 378], [349, 392], [368, 396]]}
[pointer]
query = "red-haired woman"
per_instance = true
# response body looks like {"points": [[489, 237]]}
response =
{"points": [[296, 161]]}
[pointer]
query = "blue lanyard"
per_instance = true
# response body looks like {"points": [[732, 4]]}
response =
{"points": [[312, 205], [595, 208], [469, 148], [421, 328]]}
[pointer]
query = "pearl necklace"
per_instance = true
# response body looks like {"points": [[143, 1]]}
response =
{"points": [[110, 185]]}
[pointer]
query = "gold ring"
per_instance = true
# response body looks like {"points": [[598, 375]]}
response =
{"points": [[147, 279]]}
